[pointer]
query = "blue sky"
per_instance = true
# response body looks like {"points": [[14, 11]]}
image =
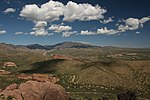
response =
{"points": [[123, 23]]}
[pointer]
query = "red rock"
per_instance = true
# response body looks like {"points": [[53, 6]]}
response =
{"points": [[9, 64], [33, 90], [11, 87], [25, 76], [39, 77]]}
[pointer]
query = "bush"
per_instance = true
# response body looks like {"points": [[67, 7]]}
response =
{"points": [[9, 98]]}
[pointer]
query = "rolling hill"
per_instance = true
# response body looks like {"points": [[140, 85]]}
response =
{"points": [[92, 70]]}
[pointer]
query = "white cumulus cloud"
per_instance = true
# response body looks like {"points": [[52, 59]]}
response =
{"points": [[9, 10], [83, 12], [18, 33], [144, 19], [49, 11], [3, 32], [67, 34], [52, 10], [105, 21], [107, 31], [87, 32], [137, 32], [123, 28], [40, 24], [59, 28], [132, 24], [39, 29], [102, 31], [39, 32]]}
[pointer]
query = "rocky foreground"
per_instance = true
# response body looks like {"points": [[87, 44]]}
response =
{"points": [[34, 89], [43, 87]]}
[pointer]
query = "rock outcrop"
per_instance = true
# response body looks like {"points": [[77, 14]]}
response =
{"points": [[39, 77], [33, 90], [4, 72], [9, 64]]}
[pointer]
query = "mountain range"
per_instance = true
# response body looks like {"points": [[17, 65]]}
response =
{"points": [[61, 46]]}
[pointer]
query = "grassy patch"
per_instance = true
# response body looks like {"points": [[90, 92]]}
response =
{"points": [[6, 80]]}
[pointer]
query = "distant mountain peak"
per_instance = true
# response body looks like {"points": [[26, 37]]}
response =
{"points": [[63, 45]]}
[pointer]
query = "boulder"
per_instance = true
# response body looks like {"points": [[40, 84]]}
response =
{"points": [[33, 90]]}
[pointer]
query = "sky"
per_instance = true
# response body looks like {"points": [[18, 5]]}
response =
{"points": [[122, 23]]}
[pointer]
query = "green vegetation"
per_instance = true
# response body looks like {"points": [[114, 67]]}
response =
{"points": [[9, 98], [89, 74], [105, 78], [9, 79], [2, 97]]}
